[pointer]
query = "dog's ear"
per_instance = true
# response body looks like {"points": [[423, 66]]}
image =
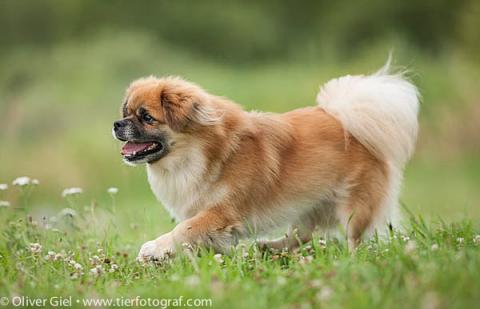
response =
{"points": [[177, 109], [182, 111]]}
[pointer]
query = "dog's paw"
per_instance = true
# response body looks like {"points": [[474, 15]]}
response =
{"points": [[158, 249]]}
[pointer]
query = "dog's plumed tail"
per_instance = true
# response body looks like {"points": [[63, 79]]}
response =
{"points": [[379, 110]]}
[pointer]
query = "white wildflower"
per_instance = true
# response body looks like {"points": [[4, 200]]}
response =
{"points": [[476, 239], [187, 246], [77, 266], [434, 247], [67, 212], [3, 186], [4, 204], [35, 248], [410, 247], [50, 256], [460, 240], [218, 258], [35, 182], [95, 260], [113, 268], [192, 280], [97, 270], [21, 181], [112, 190], [71, 191], [322, 243], [405, 238]]}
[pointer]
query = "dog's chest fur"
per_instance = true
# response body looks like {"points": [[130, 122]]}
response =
{"points": [[183, 185]]}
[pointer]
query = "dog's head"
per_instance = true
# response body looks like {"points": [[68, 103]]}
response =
{"points": [[157, 113]]}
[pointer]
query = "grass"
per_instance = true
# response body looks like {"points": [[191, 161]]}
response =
{"points": [[56, 110], [429, 265]]}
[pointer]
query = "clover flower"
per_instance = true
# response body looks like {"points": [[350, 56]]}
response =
{"points": [[476, 239], [50, 256], [4, 204], [35, 248], [218, 258], [71, 191], [113, 268], [112, 190], [95, 260], [21, 181], [77, 266], [3, 186], [322, 243], [97, 270]]}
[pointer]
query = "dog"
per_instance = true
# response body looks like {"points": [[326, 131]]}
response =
{"points": [[225, 174]]}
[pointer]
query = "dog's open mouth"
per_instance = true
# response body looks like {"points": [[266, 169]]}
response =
{"points": [[135, 151]]}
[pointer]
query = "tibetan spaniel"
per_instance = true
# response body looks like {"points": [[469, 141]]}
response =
{"points": [[225, 173]]}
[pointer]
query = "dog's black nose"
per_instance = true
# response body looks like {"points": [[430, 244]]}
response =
{"points": [[118, 124]]}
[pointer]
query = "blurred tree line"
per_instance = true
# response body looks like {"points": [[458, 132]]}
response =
{"points": [[253, 31]]}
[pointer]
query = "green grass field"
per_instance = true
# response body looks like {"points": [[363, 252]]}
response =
{"points": [[57, 106], [91, 257]]}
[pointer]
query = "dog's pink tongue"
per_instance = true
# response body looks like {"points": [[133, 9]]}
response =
{"points": [[130, 147]]}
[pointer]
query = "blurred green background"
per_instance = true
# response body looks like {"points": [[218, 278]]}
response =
{"points": [[64, 67]]}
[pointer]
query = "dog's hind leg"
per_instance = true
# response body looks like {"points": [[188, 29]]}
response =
{"points": [[363, 210], [300, 232], [296, 236]]}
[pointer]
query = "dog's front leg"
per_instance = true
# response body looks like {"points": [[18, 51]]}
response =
{"points": [[216, 228]]}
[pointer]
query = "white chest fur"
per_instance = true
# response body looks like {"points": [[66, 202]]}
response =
{"points": [[183, 185]]}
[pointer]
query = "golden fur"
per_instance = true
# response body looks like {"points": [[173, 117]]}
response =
{"points": [[232, 173]]}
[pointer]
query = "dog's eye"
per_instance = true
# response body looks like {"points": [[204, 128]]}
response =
{"points": [[147, 118]]}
